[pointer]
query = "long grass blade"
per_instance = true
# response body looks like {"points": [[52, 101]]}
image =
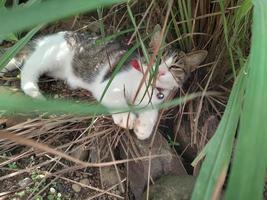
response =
{"points": [[20, 18], [249, 166], [8, 55], [219, 149], [226, 36], [13, 102]]}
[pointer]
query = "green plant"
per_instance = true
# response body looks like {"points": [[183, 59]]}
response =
{"points": [[13, 165], [245, 106], [172, 142]]}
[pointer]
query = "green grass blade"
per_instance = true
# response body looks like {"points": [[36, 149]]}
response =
{"points": [[249, 166], [226, 37], [243, 11], [18, 19], [118, 67], [219, 149], [13, 102], [2, 3], [144, 50], [113, 36], [8, 55], [100, 18]]}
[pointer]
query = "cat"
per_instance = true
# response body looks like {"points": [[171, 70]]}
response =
{"points": [[82, 63]]}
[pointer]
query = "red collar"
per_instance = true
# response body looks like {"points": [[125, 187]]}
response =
{"points": [[135, 64]]}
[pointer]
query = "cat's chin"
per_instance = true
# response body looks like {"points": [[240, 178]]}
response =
{"points": [[142, 137], [168, 84]]}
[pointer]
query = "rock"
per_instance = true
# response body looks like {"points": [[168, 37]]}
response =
{"points": [[80, 153], [85, 181], [160, 166], [94, 27], [52, 190], [109, 176], [207, 125], [76, 187], [171, 188], [3, 123], [13, 120], [24, 182]]}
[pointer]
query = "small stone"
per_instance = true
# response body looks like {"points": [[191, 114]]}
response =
{"points": [[109, 176], [85, 175], [52, 190], [172, 187], [118, 192], [78, 174], [76, 187], [24, 182], [80, 153], [85, 181], [21, 193], [94, 27], [40, 176]]}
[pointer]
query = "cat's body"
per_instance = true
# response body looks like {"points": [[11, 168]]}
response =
{"points": [[77, 59]]}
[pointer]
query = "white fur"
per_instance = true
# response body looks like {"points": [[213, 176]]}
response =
{"points": [[53, 56]]}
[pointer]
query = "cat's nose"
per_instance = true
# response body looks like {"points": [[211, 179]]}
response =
{"points": [[161, 73]]}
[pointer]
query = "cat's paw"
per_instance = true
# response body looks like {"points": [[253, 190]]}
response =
{"points": [[143, 129], [33, 91], [122, 120]]}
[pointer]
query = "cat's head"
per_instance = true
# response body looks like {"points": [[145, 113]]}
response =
{"points": [[175, 68]]}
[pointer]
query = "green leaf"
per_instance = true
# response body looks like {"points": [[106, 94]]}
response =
{"points": [[2, 3], [249, 166], [12, 101], [10, 37], [20, 18], [8, 55], [218, 150]]}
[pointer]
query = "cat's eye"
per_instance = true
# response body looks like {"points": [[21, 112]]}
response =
{"points": [[176, 68], [173, 67]]}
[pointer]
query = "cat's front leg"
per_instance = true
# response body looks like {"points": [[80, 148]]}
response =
{"points": [[145, 124], [124, 120], [115, 98], [32, 90]]}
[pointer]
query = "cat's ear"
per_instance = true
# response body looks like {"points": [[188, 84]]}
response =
{"points": [[193, 59], [155, 38]]}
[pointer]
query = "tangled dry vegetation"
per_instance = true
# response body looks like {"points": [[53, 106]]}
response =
{"points": [[33, 171]]}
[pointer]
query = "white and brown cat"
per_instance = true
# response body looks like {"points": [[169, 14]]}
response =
{"points": [[77, 59]]}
